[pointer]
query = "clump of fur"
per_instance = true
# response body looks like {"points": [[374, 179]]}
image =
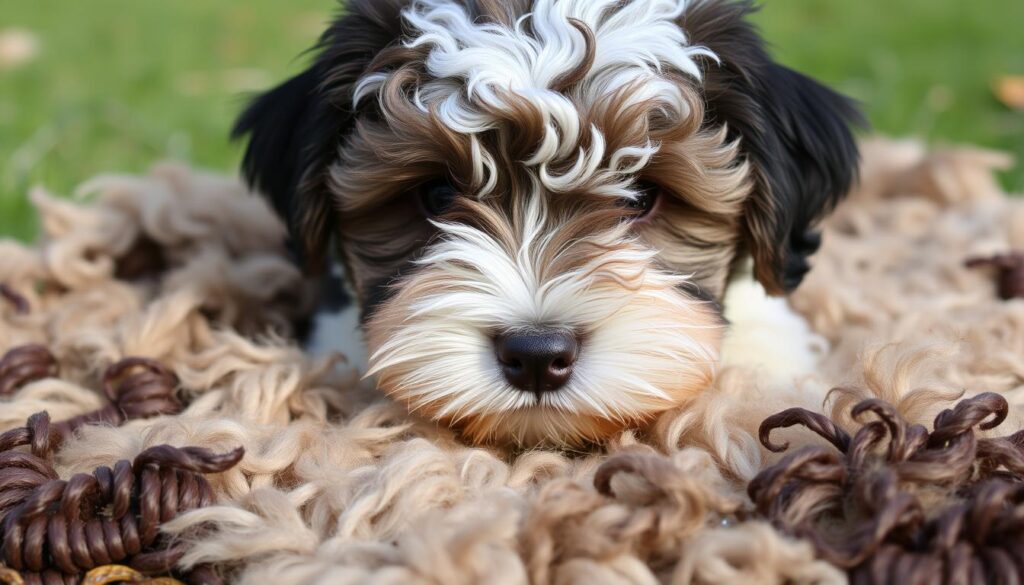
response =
{"points": [[54, 530], [895, 503]]}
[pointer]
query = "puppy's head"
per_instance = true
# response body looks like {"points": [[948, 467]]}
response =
{"points": [[539, 202]]}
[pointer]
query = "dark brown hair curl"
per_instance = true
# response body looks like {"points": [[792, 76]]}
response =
{"points": [[26, 364], [54, 530], [895, 503]]}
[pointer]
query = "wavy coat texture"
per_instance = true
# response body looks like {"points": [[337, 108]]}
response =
{"points": [[341, 486]]}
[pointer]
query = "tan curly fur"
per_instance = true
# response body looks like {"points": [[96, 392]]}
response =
{"points": [[340, 486]]}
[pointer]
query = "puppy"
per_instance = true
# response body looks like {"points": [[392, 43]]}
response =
{"points": [[538, 203]]}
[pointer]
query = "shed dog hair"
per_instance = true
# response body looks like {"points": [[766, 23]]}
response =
{"points": [[538, 203]]}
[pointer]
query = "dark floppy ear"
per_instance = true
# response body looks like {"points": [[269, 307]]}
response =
{"points": [[795, 132], [280, 153], [296, 129]]}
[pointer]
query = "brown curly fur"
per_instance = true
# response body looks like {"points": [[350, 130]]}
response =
{"points": [[55, 530], [895, 503]]}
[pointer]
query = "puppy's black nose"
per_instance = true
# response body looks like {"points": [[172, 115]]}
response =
{"points": [[537, 361]]}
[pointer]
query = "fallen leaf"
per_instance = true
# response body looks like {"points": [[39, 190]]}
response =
{"points": [[17, 47], [1010, 90]]}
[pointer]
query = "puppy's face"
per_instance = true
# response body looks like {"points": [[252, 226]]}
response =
{"points": [[538, 204]]}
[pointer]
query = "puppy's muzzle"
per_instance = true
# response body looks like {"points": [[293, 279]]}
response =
{"points": [[537, 361]]}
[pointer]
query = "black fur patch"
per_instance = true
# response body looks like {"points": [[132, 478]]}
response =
{"points": [[295, 130], [279, 154]]}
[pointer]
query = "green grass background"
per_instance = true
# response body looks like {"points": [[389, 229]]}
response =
{"points": [[120, 84]]}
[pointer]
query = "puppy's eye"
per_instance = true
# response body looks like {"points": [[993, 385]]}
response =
{"points": [[644, 202], [437, 197]]}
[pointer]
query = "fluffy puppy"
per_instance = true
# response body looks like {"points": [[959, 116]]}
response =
{"points": [[538, 203]]}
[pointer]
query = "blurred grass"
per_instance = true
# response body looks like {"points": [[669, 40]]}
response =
{"points": [[119, 84]]}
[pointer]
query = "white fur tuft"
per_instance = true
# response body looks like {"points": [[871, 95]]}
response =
{"points": [[767, 335], [474, 68]]}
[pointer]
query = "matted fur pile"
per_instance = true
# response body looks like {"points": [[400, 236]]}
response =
{"points": [[339, 486]]}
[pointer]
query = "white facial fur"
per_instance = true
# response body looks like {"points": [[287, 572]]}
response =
{"points": [[645, 345]]}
